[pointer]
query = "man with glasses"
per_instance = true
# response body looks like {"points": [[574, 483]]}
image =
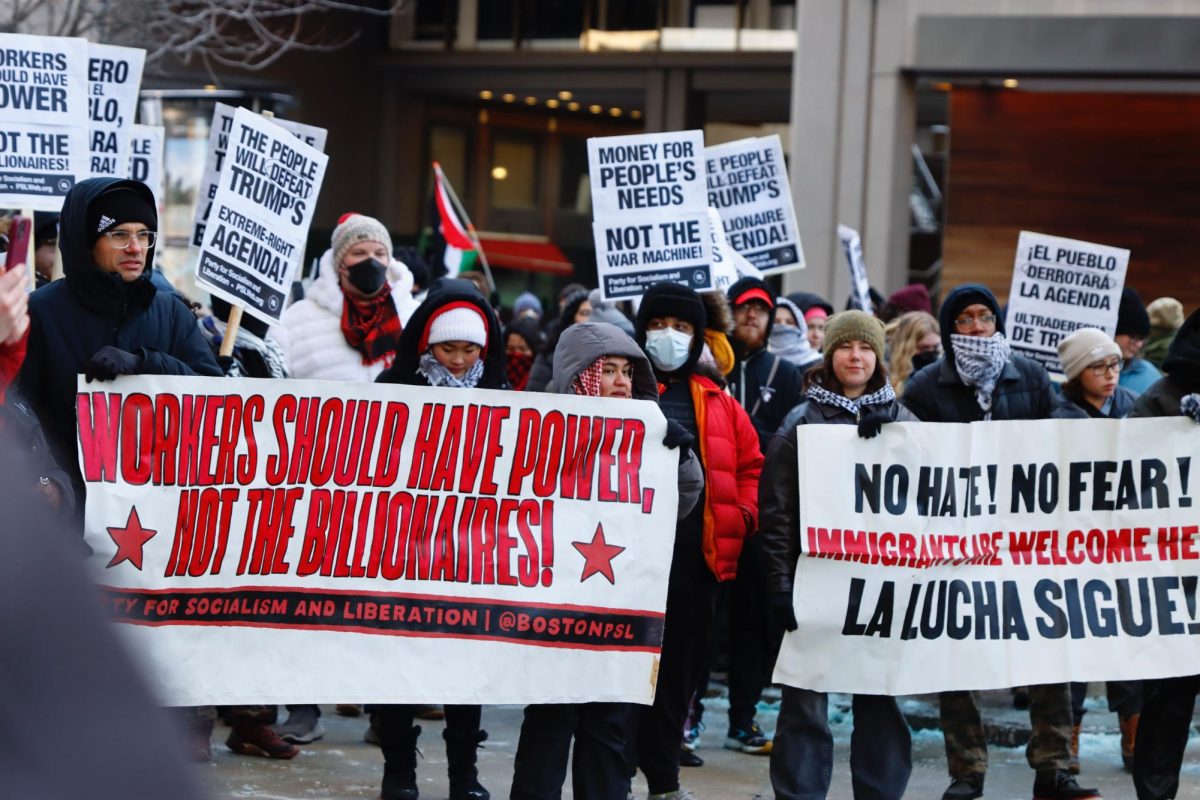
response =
{"points": [[979, 378]]}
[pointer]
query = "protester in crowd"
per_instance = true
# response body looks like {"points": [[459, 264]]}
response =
{"points": [[14, 324], [527, 305], [914, 340], [45, 242], [876, 299], [594, 359], [849, 388], [452, 341], [348, 325], [577, 309], [767, 387], [523, 339], [1166, 315], [717, 353], [256, 354], [789, 336], [977, 378], [816, 311], [1133, 327], [411, 257], [707, 541], [105, 318], [1166, 717], [608, 311], [914, 297]]}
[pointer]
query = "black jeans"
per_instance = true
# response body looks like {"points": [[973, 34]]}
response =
{"points": [[598, 770], [754, 642], [1162, 735], [1124, 697]]}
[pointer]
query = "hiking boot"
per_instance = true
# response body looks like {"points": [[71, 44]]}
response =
{"points": [[751, 741], [258, 739], [460, 764], [1059, 784], [689, 759], [1073, 756], [348, 710], [303, 725], [678, 794], [1129, 726], [964, 789], [400, 766]]}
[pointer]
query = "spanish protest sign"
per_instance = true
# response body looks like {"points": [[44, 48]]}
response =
{"points": [[1058, 286], [650, 218], [146, 160], [748, 184], [380, 543], [264, 203], [43, 119], [114, 78], [218, 144], [860, 284], [939, 557]]}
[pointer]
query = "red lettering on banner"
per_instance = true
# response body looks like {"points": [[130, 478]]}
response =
{"points": [[277, 465], [629, 461], [166, 438], [425, 447], [99, 426]]}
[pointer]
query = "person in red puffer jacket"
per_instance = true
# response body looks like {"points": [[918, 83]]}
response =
{"points": [[14, 324]]}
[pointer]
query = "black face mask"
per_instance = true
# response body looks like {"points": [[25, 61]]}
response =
{"points": [[921, 360], [367, 276]]}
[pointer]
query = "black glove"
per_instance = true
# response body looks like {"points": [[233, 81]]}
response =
{"points": [[872, 422], [109, 362], [782, 612], [677, 435], [229, 367]]}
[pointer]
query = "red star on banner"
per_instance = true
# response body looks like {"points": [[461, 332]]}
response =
{"points": [[130, 540], [598, 555]]}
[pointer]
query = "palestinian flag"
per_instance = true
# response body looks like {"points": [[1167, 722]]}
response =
{"points": [[451, 234]]}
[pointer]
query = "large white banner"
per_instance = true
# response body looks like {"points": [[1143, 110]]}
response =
{"points": [[114, 78], [1058, 286], [650, 214], [748, 183], [379, 543], [995, 554], [267, 195], [43, 119]]}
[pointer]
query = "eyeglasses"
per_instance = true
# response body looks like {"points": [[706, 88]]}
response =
{"points": [[965, 322], [1102, 368], [119, 240]]}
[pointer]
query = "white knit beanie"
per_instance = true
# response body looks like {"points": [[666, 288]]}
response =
{"points": [[458, 325], [354, 228], [1083, 347]]}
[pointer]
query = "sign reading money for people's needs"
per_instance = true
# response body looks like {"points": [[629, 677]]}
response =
{"points": [[114, 78], [1060, 285], [264, 204], [43, 119], [218, 144], [650, 214], [380, 543], [748, 184]]}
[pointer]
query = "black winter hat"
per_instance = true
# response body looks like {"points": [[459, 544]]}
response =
{"points": [[45, 227], [1182, 363], [959, 298], [671, 300], [1132, 317], [116, 207], [807, 300]]}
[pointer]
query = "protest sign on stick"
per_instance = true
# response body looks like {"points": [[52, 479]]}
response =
{"points": [[146, 162], [940, 557], [261, 213], [748, 184], [650, 214], [1058, 286], [43, 119], [414, 544], [860, 284], [114, 79]]}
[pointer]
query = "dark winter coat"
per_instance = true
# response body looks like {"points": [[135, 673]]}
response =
{"points": [[408, 354], [778, 495], [1122, 403], [72, 319]]}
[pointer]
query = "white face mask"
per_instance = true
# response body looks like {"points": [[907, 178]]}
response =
{"points": [[668, 348]]}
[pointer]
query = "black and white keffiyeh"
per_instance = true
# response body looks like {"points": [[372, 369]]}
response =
{"points": [[1189, 406], [437, 375], [820, 394], [980, 360]]}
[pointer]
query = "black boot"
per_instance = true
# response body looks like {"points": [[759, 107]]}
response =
{"points": [[1060, 785], [400, 764], [460, 757]]}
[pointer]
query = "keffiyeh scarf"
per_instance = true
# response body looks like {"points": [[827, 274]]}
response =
{"points": [[822, 395], [372, 327], [979, 361], [437, 375], [1189, 406], [587, 382]]}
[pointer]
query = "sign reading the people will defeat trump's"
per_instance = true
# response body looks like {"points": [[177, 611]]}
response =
{"points": [[379, 543], [950, 556], [265, 201], [1058, 286], [650, 212]]}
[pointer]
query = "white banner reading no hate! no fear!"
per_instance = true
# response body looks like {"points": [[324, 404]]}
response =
{"points": [[948, 556], [377, 543]]}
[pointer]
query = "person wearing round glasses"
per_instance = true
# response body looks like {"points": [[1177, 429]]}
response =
{"points": [[1092, 363]]}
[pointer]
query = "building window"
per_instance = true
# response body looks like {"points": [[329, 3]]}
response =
{"points": [[552, 19], [574, 188], [434, 18], [449, 146], [496, 19], [631, 15], [514, 172]]}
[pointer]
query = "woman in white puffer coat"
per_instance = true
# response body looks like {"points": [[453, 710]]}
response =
{"points": [[348, 325]]}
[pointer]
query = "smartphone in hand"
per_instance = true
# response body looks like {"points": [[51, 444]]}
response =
{"points": [[19, 233]]}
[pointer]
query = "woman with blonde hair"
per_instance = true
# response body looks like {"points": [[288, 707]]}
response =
{"points": [[915, 334]]}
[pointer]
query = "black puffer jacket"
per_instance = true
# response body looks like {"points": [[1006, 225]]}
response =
{"points": [[778, 488], [1182, 366]]}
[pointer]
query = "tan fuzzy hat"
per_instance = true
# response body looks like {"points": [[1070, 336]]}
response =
{"points": [[1166, 313], [847, 326], [1083, 347], [354, 228]]}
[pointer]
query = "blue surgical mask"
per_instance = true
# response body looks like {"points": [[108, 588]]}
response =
{"points": [[668, 348]]}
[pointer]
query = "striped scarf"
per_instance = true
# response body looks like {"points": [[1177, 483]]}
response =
{"points": [[821, 395]]}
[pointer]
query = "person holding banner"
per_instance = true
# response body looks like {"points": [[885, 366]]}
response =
{"points": [[348, 325], [593, 359], [670, 325], [849, 388], [978, 378], [452, 341]]}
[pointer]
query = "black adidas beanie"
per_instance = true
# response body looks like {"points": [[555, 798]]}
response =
{"points": [[671, 300], [115, 208]]}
